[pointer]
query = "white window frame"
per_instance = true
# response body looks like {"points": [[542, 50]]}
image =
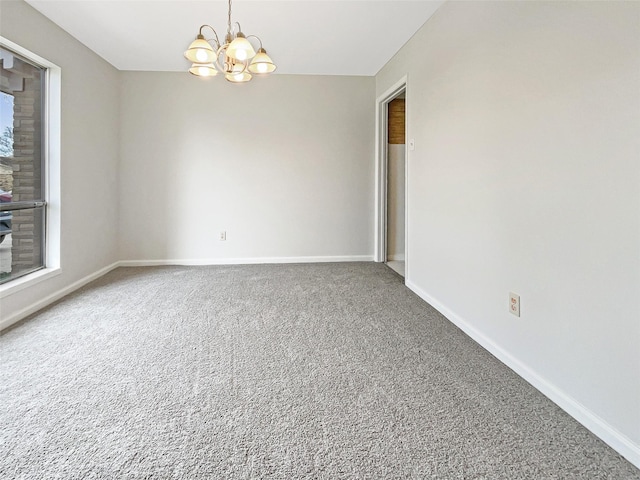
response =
{"points": [[51, 151]]}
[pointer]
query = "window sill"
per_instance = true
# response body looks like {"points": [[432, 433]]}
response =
{"points": [[27, 281]]}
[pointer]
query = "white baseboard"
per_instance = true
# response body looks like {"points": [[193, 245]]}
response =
{"points": [[616, 440], [25, 312], [247, 260], [396, 258]]}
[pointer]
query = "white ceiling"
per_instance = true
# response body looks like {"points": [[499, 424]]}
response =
{"points": [[324, 37]]}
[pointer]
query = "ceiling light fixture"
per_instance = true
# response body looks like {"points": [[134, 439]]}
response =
{"points": [[235, 58]]}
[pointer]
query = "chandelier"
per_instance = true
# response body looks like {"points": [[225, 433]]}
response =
{"points": [[235, 58]]}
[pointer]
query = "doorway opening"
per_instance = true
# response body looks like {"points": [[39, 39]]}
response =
{"points": [[396, 154], [391, 218]]}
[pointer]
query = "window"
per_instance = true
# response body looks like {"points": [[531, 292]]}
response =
{"points": [[27, 181]]}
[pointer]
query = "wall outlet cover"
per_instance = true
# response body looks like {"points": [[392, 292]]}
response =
{"points": [[514, 304]]}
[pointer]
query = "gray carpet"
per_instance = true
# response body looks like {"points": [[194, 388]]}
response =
{"points": [[271, 371]]}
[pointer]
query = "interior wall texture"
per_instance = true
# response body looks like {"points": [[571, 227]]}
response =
{"points": [[89, 151], [524, 178], [283, 165]]}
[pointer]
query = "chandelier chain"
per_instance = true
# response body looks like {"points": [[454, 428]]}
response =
{"points": [[229, 21]]}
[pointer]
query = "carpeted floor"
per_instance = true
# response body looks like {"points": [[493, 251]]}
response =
{"points": [[271, 371]]}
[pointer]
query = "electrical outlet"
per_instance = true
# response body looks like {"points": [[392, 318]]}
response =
{"points": [[223, 236], [514, 304]]}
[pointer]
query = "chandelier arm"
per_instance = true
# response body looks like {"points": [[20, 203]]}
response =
{"points": [[256, 37], [245, 67], [217, 63], [217, 40], [222, 66]]}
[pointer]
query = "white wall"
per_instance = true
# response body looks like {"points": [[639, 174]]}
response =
{"points": [[89, 154], [395, 201], [525, 178], [284, 165]]}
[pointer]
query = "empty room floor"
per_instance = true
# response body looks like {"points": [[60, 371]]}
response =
{"points": [[272, 371]]}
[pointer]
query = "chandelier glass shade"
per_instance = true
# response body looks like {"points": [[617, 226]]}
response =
{"points": [[261, 63], [236, 58]]}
